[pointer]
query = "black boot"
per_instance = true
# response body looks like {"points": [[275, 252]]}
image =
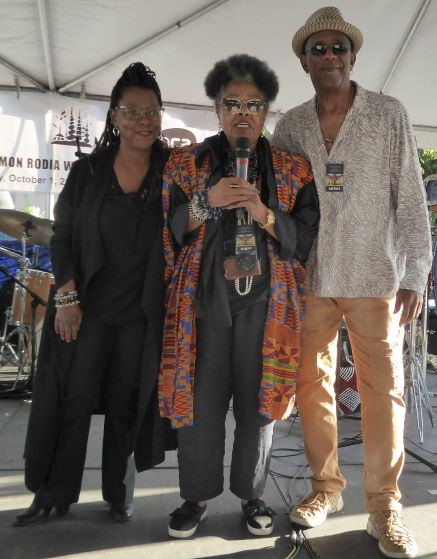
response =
{"points": [[37, 512], [122, 512], [62, 509]]}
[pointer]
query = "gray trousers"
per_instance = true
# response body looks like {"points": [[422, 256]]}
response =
{"points": [[228, 365]]}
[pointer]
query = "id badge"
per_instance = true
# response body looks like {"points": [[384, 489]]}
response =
{"points": [[245, 240], [245, 248], [334, 179]]}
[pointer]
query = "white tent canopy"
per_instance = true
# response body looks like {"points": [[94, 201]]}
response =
{"points": [[81, 47]]}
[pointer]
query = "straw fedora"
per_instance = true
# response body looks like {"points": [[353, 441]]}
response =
{"points": [[326, 19]]}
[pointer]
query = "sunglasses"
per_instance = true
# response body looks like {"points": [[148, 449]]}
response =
{"points": [[137, 113], [321, 50], [253, 106]]}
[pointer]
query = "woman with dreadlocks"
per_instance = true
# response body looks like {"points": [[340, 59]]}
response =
{"points": [[101, 341]]}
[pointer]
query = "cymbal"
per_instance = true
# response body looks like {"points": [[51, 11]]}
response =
{"points": [[38, 230]]}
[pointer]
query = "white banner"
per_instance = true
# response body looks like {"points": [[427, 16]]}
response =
{"points": [[38, 144], [39, 141]]}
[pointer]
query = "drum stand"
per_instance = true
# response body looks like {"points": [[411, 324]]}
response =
{"points": [[18, 347], [417, 397]]}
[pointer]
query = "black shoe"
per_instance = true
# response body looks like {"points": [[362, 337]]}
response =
{"points": [[185, 520], [122, 513], [37, 512], [259, 517], [61, 510]]}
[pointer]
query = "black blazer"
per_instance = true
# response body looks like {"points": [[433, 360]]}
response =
{"points": [[77, 253]]}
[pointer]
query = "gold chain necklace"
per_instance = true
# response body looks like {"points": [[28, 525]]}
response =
{"points": [[330, 139]]}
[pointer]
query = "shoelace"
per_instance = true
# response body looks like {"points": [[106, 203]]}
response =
{"points": [[316, 502], [258, 508], [396, 529]]}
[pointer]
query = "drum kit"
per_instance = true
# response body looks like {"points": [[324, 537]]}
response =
{"points": [[19, 338]]}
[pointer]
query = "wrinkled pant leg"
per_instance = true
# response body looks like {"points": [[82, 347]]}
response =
{"points": [[201, 446], [63, 483], [120, 399], [253, 432], [377, 342], [315, 393]]}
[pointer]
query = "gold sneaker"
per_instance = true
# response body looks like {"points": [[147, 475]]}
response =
{"points": [[395, 539], [314, 509]]}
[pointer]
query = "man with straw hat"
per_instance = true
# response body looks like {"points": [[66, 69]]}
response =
{"points": [[368, 267]]}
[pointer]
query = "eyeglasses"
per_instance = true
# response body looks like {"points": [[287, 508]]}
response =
{"points": [[253, 106], [137, 113], [321, 50]]}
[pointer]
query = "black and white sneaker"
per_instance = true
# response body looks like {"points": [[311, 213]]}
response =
{"points": [[259, 517], [185, 520]]}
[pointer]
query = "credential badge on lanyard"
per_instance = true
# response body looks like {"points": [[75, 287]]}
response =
{"points": [[334, 180]]}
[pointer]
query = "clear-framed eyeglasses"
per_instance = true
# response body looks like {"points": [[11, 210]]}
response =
{"points": [[135, 113], [253, 106]]}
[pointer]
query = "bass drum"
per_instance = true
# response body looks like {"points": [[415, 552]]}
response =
{"points": [[38, 282]]}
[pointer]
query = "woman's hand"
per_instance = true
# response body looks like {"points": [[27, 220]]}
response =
{"points": [[229, 193], [238, 193], [67, 322], [255, 208]]}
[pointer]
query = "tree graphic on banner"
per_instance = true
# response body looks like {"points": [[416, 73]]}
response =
{"points": [[72, 133], [74, 130]]}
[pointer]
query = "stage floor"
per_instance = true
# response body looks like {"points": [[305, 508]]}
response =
{"points": [[88, 532]]}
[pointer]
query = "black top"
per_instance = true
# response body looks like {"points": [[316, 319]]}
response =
{"points": [[127, 225], [88, 216]]}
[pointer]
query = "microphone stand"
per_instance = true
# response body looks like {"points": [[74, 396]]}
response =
{"points": [[36, 300]]}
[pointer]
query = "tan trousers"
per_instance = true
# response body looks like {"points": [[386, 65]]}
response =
{"points": [[376, 340]]}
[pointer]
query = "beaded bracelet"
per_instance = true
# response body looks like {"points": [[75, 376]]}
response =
{"points": [[67, 299], [214, 213], [199, 208], [61, 305], [72, 293], [61, 297]]}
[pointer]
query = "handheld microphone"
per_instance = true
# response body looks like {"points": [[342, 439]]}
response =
{"points": [[242, 153]]}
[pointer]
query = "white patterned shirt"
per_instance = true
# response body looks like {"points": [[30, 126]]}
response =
{"points": [[374, 234]]}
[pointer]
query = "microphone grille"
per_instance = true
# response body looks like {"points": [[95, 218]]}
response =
{"points": [[242, 147]]}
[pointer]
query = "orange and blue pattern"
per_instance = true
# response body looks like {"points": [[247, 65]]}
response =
{"points": [[281, 345]]}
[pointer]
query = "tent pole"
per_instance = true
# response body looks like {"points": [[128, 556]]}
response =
{"points": [[405, 44], [46, 43], [23, 75], [167, 31]]}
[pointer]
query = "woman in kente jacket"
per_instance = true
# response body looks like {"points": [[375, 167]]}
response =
{"points": [[101, 341], [234, 251]]}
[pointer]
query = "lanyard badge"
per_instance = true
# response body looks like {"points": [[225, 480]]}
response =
{"points": [[334, 180]]}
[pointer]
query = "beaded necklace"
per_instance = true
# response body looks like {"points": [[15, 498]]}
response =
{"points": [[243, 218], [230, 167]]}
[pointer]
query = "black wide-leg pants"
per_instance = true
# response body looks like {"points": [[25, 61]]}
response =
{"points": [[105, 371], [228, 365]]}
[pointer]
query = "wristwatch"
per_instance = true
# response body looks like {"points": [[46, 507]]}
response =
{"points": [[271, 219]]}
